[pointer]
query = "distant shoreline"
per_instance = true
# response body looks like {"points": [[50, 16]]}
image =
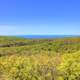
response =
{"points": [[46, 36], [40, 36]]}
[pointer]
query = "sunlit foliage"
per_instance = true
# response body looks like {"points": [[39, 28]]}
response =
{"points": [[39, 59]]}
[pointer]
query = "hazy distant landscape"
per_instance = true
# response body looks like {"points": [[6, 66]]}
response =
{"points": [[46, 36], [39, 58]]}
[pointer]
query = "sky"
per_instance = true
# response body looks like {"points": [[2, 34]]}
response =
{"points": [[39, 17]]}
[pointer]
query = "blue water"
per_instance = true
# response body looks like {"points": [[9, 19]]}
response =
{"points": [[45, 36]]}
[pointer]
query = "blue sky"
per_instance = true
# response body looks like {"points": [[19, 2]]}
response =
{"points": [[24, 17]]}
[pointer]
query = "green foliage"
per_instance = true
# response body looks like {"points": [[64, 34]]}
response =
{"points": [[38, 67], [70, 66], [39, 59]]}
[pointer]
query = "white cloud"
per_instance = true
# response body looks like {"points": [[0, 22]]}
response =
{"points": [[5, 29], [37, 29]]}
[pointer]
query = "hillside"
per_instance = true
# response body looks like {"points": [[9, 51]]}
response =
{"points": [[9, 45], [39, 59]]}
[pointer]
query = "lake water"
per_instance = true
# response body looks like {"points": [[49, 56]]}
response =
{"points": [[45, 36]]}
